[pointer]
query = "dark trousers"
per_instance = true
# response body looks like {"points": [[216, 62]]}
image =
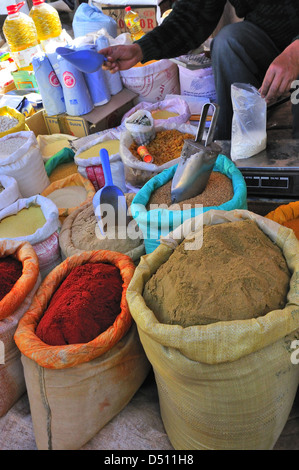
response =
{"points": [[241, 53]]}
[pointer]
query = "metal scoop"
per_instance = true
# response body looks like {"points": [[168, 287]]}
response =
{"points": [[197, 160], [110, 199]]}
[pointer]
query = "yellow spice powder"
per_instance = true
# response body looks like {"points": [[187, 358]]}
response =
{"points": [[24, 223]]}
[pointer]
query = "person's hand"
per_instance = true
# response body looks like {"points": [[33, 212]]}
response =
{"points": [[121, 57], [281, 73]]}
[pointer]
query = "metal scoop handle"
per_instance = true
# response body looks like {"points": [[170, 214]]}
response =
{"points": [[202, 123]]}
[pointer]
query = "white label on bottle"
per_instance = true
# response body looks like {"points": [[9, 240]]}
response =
{"points": [[24, 58]]}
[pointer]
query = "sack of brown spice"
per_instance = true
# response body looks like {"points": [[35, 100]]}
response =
{"points": [[226, 190]]}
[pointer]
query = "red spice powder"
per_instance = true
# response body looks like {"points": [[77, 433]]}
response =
{"points": [[10, 271], [84, 306]]}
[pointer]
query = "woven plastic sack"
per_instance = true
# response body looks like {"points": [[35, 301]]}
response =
{"points": [[13, 113], [10, 193], [46, 248], [137, 173], [159, 222], [226, 385], [152, 81], [50, 145], [12, 308], [175, 105], [75, 390], [91, 168], [76, 180], [25, 164], [287, 215], [84, 217]]}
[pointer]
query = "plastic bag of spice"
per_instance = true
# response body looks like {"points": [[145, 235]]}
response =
{"points": [[159, 221], [228, 385], [86, 384], [13, 305], [137, 172]]}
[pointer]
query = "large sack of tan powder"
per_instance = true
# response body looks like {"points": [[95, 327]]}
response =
{"points": [[229, 384]]}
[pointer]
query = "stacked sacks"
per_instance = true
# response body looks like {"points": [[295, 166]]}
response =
{"points": [[75, 389], [13, 305]]}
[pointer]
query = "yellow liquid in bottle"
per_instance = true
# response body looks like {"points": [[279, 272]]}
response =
{"points": [[47, 21], [132, 22], [20, 33]]}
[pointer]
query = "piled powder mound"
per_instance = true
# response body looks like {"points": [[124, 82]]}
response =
{"points": [[10, 271], [237, 274], [83, 307]]}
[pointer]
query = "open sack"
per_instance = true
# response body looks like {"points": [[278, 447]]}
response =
{"points": [[209, 396], [75, 389]]}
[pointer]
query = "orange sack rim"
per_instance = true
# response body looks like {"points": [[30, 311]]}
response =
{"points": [[23, 252], [62, 357]]}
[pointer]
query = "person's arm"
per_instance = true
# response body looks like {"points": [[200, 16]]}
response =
{"points": [[281, 73], [189, 24]]}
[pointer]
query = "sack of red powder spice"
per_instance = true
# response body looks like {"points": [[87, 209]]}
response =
{"points": [[13, 305], [86, 384]]}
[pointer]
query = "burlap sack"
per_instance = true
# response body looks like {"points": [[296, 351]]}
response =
{"points": [[75, 390], [12, 308], [226, 385]]}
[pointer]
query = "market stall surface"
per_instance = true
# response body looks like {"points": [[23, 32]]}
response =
{"points": [[137, 427]]}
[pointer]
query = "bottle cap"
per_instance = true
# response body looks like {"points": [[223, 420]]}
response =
{"points": [[128, 8], [11, 9], [38, 2]]}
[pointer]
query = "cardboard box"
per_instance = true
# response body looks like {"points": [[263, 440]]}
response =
{"points": [[149, 14], [99, 119]]}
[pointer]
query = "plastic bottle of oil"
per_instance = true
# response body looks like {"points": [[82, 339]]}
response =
{"points": [[21, 36], [46, 19], [132, 22]]}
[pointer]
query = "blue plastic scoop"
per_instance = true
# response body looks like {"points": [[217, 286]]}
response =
{"points": [[110, 199], [85, 60]]}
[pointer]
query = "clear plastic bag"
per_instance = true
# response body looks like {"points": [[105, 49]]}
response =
{"points": [[249, 135]]}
